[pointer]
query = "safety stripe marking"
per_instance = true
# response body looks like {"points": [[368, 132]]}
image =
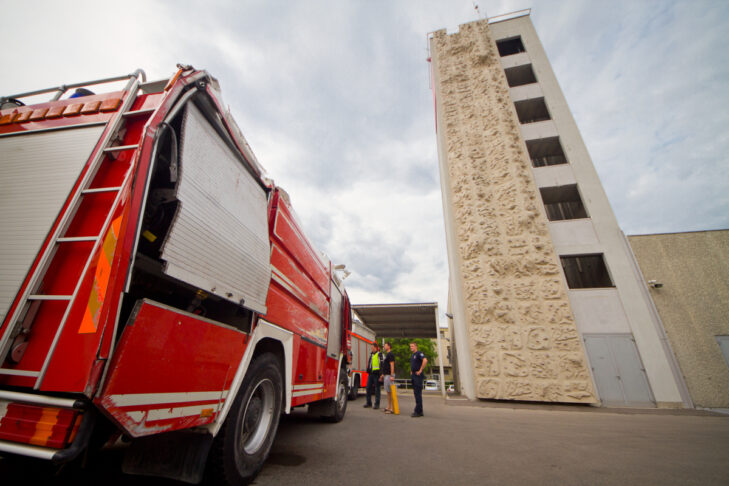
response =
{"points": [[90, 321], [178, 412], [308, 386], [279, 277], [308, 392], [286, 282], [128, 400]]}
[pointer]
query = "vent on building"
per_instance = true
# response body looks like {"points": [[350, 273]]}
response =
{"points": [[532, 110], [586, 271], [563, 202], [546, 151], [508, 47], [520, 75]]}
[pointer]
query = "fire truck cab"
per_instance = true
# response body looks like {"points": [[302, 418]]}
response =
{"points": [[155, 284]]}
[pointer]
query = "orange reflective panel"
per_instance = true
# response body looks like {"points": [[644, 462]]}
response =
{"points": [[90, 321]]}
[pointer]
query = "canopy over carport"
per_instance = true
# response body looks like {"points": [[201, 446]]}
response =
{"points": [[419, 320], [404, 321]]}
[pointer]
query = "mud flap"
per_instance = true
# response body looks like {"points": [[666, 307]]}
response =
{"points": [[175, 455], [323, 408]]}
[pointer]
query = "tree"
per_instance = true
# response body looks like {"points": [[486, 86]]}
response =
{"points": [[401, 351]]}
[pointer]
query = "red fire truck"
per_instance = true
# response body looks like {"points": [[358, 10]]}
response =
{"points": [[361, 338], [154, 284]]}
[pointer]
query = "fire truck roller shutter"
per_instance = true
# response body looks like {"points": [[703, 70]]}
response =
{"points": [[219, 239], [334, 337], [37, 173]]}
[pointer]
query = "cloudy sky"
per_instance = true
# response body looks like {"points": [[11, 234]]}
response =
{"points": [[334, 98]]}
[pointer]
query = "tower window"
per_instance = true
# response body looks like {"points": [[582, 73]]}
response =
{"points": [[508, 47], [563, 202], [546, 151], [532, 111], [586, 271], [520, 75]]}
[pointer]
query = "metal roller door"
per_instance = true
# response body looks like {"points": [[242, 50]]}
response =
{"points": [[219, 240], [334, 335], [37, 173]]}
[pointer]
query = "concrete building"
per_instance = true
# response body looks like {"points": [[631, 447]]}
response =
{"points": [[689, 283], [443, 348], [547, 301]]}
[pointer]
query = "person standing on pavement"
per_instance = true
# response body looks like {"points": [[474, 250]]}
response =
{"points": [[373, 378], [417, 365], [388, 375]]}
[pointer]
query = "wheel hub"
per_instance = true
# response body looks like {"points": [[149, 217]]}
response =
{"points": [[258, 417]]}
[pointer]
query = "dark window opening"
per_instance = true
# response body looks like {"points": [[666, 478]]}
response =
{"points": [[532, 111], [546, 151], [586, 272], [520, 75], [508, 47], [563, 202]]}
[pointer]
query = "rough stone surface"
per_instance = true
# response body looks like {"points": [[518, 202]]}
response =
{"points": [[524, 341]]}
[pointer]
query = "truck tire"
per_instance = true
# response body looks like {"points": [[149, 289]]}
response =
{"points": [[246, 437], [355, 389], [340, 400]]}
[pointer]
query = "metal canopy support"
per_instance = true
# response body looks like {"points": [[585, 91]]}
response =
{"points": [[440, 354]]}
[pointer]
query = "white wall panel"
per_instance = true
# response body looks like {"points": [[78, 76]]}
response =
{"points": [[525, 92], [515, 60], [542, 129], [219, 240], [598, 311], [554, 175], [570, 232], [37, 173]]}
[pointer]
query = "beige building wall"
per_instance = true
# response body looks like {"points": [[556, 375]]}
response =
{"points": [[509, 298], [693, 303]]}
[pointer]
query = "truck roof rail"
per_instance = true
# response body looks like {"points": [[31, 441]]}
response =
{"points": [[61, 90]]}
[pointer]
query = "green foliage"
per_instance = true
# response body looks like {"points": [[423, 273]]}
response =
{"points": [[401, 350]]}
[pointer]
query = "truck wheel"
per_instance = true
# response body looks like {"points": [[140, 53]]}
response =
{"points": [[340, 400], [355, 389], [244, 441]]}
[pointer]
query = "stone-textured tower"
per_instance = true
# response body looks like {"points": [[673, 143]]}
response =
{"points": [[525, 345], [547, 302]]}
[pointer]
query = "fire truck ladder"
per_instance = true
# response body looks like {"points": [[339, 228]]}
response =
{"points": [[20, 322]]}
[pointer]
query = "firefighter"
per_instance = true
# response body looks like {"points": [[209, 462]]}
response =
{"points": [[388, 375], [417, 365], [373, 377]]}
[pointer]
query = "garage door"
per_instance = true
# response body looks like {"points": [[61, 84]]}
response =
{"points": [[618, 370]]}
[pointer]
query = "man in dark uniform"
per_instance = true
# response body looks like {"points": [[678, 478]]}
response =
{"points": [[417, 365], [373, 377]]}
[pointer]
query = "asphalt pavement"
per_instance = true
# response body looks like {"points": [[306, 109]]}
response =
{"points": [[467, 443], [488, 443]]}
